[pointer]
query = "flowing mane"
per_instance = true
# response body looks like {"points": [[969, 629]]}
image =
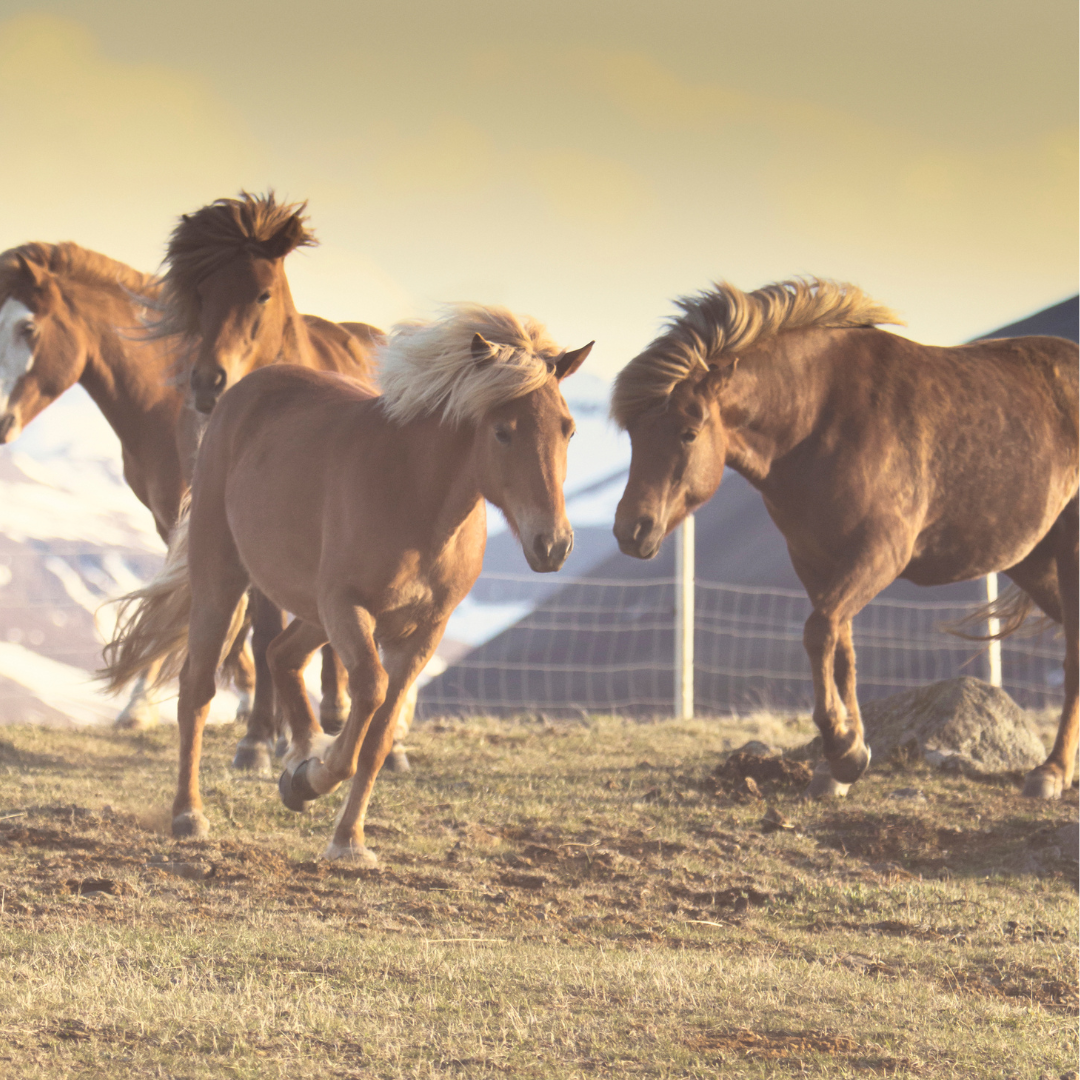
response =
{"points": [[719, 320], [69, 262], [429, 367], [204, 240]]}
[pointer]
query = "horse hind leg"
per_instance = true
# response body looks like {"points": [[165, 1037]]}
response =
{"points": [[141, 711], [334, 706], [1055, 775], [255, 751]]}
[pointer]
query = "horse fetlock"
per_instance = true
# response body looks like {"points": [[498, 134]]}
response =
{"points": [[255, 755], [1045, 782], [352, 851], [190, 825]]}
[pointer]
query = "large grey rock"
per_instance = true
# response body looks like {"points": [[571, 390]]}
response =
{"points": [[960, 723]]}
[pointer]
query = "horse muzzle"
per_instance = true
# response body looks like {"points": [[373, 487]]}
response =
{"points": [[548, 551], [10, 428], [639, 536]]}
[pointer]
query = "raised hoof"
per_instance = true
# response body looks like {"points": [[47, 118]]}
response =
{"points": [[190, 825], [1043, 783], [295, 791], [847, 769], [353, 853], [823, 785], [255, 756], [397, 760]]}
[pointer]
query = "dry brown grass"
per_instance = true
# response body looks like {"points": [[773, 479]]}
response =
{"points": [[553, 901]]}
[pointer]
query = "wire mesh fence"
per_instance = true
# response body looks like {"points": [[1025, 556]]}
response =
{"points": [[609, 646]]}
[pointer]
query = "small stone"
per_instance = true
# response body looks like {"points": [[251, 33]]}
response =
{"points": [[749, 787], [757, 748], [911, 794]]}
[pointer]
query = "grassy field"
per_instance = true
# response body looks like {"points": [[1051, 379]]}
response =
{"points": [[552, 901]]}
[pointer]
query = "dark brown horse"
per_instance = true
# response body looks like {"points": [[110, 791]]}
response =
{"points": [[365, 517], [70, 315], [225, 298], [877, 458]]}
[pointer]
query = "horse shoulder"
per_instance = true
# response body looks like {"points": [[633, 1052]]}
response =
{"points": [[348, 348]]}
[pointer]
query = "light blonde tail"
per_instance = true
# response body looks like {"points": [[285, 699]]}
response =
{"points": [[152, 622], [1011, 609]]}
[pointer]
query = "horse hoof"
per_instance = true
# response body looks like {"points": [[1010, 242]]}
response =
{"points": [[136, 719], [332, 723], [823, 785], [295, 790], [397, 760], [254, 756], [190, 825], [847, 769], [353, 853], [1043, 783]]}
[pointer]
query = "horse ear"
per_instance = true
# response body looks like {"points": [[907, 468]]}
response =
{"points": [[483, 351], [569, 362], [33, 272], [291, 235], [718, 377]]}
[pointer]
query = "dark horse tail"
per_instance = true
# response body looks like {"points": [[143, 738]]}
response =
{"points": [[1011, 609]]}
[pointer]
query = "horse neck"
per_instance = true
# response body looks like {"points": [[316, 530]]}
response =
{"points": [[127, 378], [296, 346], [772, 401]]}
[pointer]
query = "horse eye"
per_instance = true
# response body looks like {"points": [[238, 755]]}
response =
{"points": [[264, 296], [27, 330], [688, 436], [502, 435]]}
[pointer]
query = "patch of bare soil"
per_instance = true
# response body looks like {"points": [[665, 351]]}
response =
{"points": [[1038, 986], [746, 775], [793, 1047]]}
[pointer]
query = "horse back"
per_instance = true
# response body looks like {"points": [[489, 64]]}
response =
{"points": [[348, 348]]}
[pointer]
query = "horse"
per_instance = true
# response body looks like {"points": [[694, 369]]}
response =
{"points": [[877, 458], [69, 315], [226, 299], [364, 516]]}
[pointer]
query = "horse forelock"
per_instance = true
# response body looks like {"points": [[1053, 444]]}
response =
{"points": [[205, 240], [716, 322], [68, 262], [428, 367]]}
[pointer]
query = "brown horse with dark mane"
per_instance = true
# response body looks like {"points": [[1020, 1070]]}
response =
{"points": [[877, 458], [226, 300], [71, 315], [365, 517]]}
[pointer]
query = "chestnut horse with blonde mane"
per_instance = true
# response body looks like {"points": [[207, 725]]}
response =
{"points": [[226, 300], [364, 516], [70, 315], [877, 458]]}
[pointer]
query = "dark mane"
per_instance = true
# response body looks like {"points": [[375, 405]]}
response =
{"points": [[204, 240], [719, 320], [69, 262]]}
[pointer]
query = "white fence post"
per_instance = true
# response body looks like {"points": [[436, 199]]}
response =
{"points": [[993, 626], [684, 619]]}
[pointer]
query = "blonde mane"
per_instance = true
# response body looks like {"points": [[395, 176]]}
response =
{"points": [[210, 237], [69, 262], [718, 321], [429, 367]]}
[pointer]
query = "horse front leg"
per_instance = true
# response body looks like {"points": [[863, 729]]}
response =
{"points": [[255, 750], [404, 663], [334, 706], [843, 745]]}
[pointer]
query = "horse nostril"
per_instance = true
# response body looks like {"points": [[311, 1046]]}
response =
{"points": [[542, 546], [219, 379], [642, 527]]}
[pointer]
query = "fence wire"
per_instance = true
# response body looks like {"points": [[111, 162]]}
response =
{"points": [[599, 645]]}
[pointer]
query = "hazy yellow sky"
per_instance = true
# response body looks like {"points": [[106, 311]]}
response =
{"points": [[581, 161]]}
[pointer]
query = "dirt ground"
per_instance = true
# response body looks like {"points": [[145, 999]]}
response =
{"points": [[592, 899]]}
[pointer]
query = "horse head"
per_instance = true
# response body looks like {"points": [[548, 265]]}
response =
{"points": [[521, 460], [676, 464], [41, 351]]}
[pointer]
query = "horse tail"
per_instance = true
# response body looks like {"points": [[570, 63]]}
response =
{"points": [[152, 622], [1011, 610]]}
